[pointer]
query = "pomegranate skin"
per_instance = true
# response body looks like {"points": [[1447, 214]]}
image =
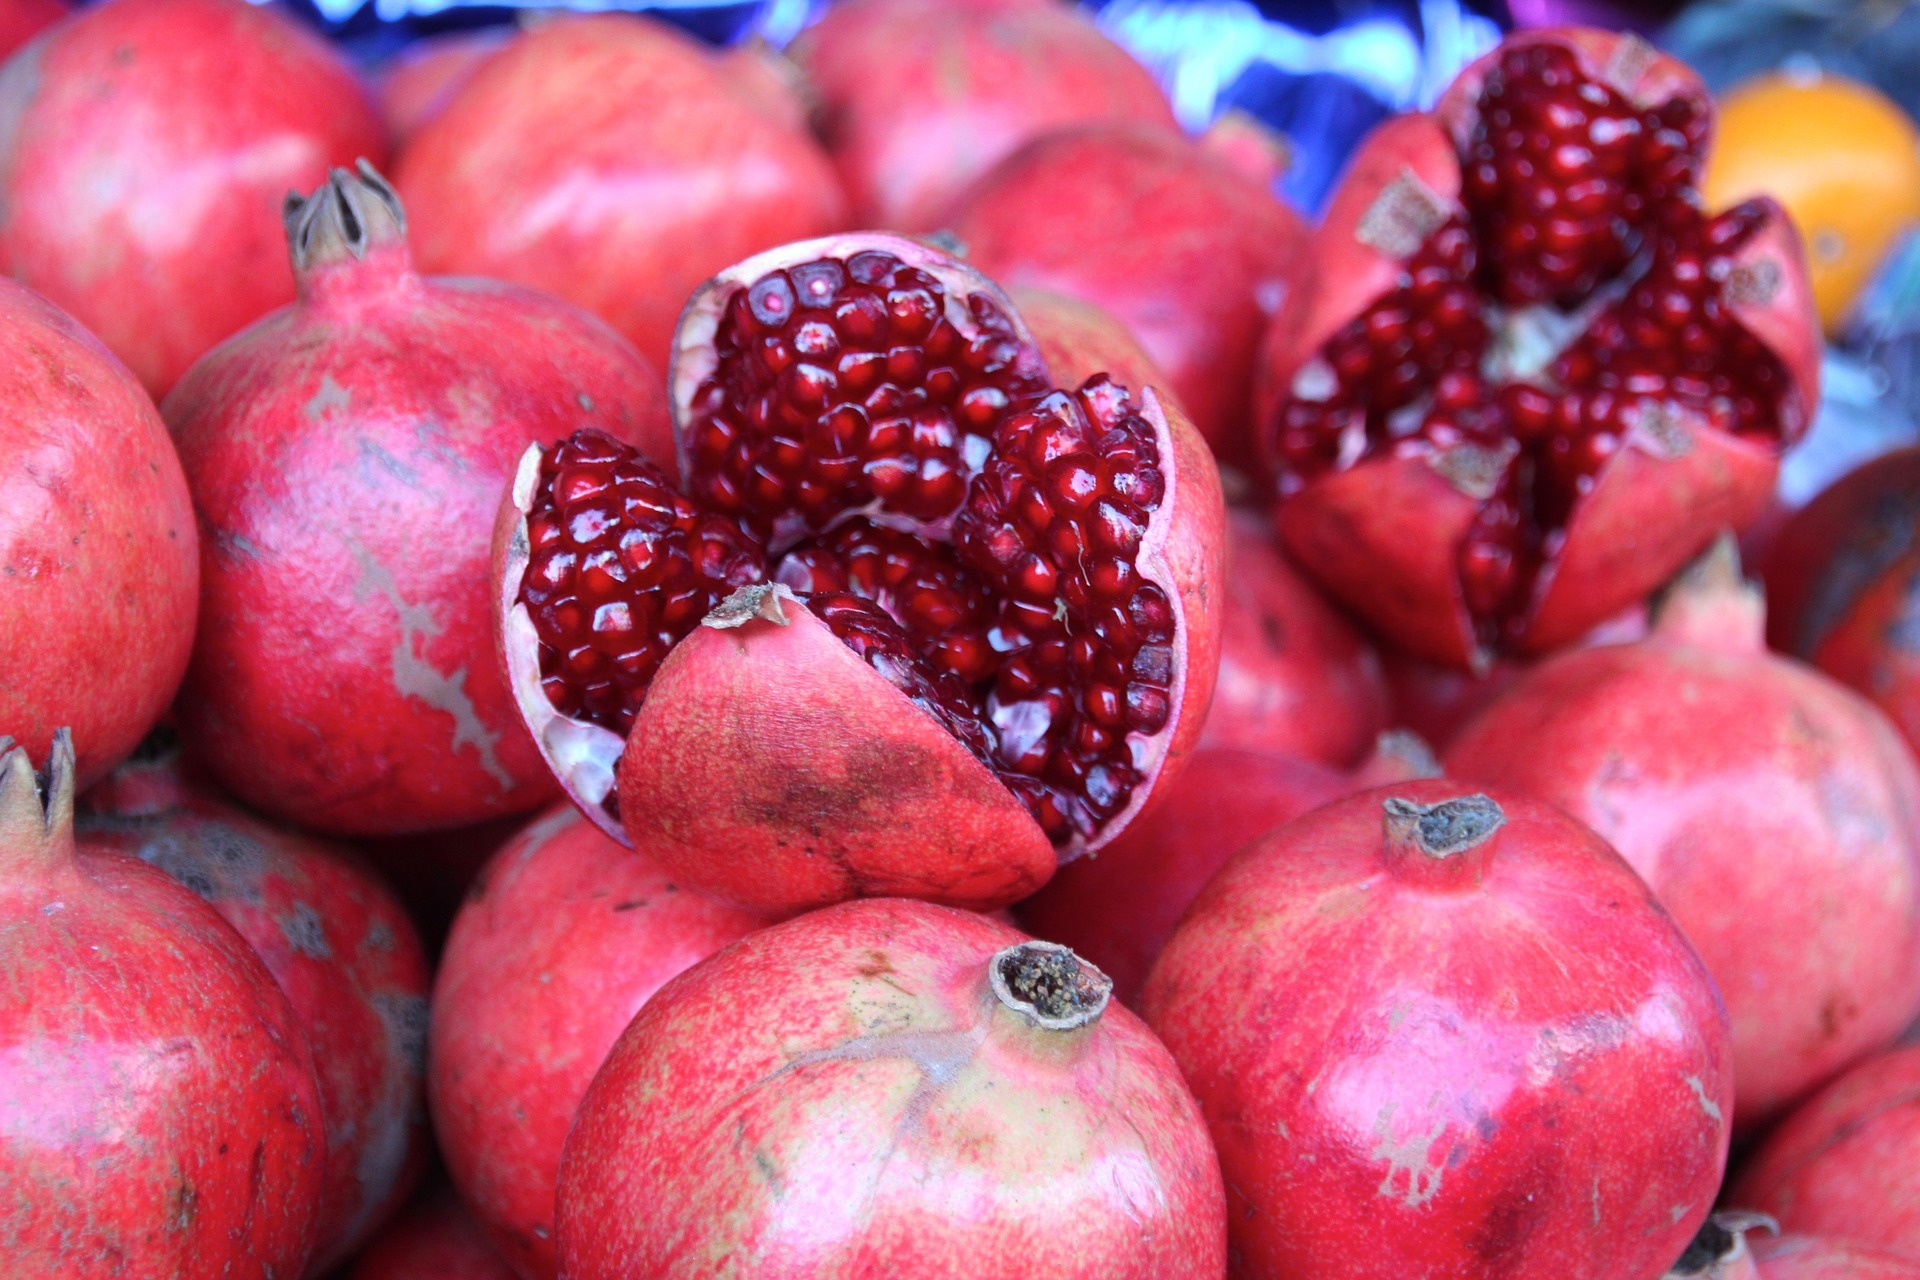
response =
{"points": [[530, 173], [156, 1094], [1502, 1060], [1178, 244], [341, 948], [564, 936], [1079, 339], [1773, 812], [99, 559], [147, 145], [853, 1094], [346, 455], [1846, 1163], [22, 20], [918, 98], [1818, 1258], [1296, 677], [417, 83], [435, 1239], [1840, 585]]}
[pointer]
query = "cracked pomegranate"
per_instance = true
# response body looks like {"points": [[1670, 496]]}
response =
{"points": [[667, 163], [156, 1094], [1178, 244], [1119, 909], [885, 508], [1843, 585], [144, 146], [1460, 1020], [889, 1088], [1528, 378], [1847, 1163], [345, 456], [564, 936], [99, 556], [342, 950], [1773, 812]]}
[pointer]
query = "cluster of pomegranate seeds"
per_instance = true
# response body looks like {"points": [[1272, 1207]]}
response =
{"points": [[973, 536], [1580, 229], [621, 567], [839, 383]]}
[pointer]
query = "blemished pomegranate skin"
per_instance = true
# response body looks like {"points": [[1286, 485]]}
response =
{"points": [[1446, 1033], [889, 1088], [145, 149], [563, 937]]}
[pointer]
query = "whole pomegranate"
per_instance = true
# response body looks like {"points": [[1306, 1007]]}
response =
{"points": [[1847, 1162], [435, 1239], [613, 162], [1818, 1258], [345, 456], [1119, 909], [1175, 242], [890, 1088], [917, 98], [1296, 677], [417, 83], [1841, 585], [1529, 379], [144, 149], [99, 563], [22, 20], [564, 936], [340, 946], [1773, 812], [157, 1099], [916, 625], [1445, 1034]]}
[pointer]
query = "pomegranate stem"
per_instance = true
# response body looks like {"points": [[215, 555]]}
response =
{"points": [[36, 837], [1049, 985]]}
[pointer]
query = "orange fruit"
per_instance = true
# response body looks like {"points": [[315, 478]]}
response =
{"points": [[1842, 157]]}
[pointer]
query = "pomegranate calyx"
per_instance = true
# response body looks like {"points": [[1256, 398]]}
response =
{"points": [[1049, 986], [1712, 604], [351, 214], [1443, 833], [759, 601], [36, 820], [1720, 1242]]}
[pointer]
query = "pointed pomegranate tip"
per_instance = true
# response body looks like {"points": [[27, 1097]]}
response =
{"points": [[762, 601], [1712, 604], [1398, 755], [36, 824], [1718, 1251], [1049, 985], [348, 216]]}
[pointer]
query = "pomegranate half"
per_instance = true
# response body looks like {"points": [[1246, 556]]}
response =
{"points": [[346, 455], [1447, 1034], [1773, 812], [912, 623], [1528, 379], [157, 1098], [890, 1088], [144, 149]]}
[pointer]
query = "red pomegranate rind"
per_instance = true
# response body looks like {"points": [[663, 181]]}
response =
{"points": [[1079, 339]]}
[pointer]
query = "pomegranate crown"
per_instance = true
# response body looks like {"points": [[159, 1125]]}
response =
{"points": [[36, 815], [350, 213], [1049, 985]]}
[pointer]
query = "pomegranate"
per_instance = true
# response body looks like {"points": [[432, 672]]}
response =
{"points": [[156, 1096], [885, 508], [613, 162], [144, 146], [1841, 585], [1774, 813], [1498, 1056], [340, 946], [1296, 677], [417, 83], [1079, 339], [99, 564], [890, 1088], [1847, 1162], [1719, 1250], [1119, 909], [1814, 1258], [564, 936], [918, 98], [435, 1239], [1181, 246], [22, 20], [1529, 378], [338, 681]]}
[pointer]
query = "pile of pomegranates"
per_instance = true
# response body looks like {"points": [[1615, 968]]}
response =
{"points": [[870, 659]]}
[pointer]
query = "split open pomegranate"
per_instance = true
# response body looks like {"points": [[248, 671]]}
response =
{"points": [[911, 621], [1530, 378]]}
